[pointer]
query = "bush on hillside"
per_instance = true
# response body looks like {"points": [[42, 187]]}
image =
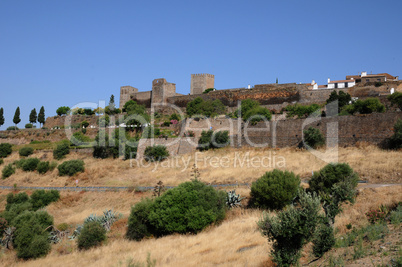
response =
{"points": [[396, 138], [156, 153], [291, 229], [61, 150], [43, 167], [301, 111], [210, 139], [274, 190], [336, 184], [30, 164], [16, 199], [396, 99], [188, 208], [31, 239], [7, 171], [342, 98], [42, 198], [92, 235], [12, 128], [366, 106], [138, 222], [324, 180], [313, 137], [323, 239], [28, 126], [207, 108], [26, 151], [257, 114], [5, 150], [71, 167], [1, 161]]}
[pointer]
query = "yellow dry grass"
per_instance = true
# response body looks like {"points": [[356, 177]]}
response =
{"points": [[236, 241], [221, 166]]}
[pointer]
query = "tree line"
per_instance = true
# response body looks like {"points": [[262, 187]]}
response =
{"points": [[34, 117]]}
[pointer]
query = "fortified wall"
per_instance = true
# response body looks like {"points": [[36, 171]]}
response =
{"points": [[342, 130]]}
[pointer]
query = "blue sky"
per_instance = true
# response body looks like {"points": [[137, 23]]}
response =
{"points": [[61, 53]]}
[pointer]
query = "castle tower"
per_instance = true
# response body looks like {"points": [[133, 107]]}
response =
{"points": [[201, 82], [125, 94], [162, 90]]}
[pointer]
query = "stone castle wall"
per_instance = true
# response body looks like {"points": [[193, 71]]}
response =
{"points": [[347, 130]]}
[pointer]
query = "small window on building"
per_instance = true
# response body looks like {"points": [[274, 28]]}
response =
{"points": [[379, 80], [367, 80], [346, 85]]}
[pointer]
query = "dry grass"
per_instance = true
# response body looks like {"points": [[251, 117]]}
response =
{"points": [[373, 164], [236, 241]]}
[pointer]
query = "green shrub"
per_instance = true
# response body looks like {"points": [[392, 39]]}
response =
{"points": [[43, 167], [61, 150], [30, 164], [313, 137], [156, 153], [366, 106], [396, 215], [396, 99], [5, 150], [1, 161], [257, 114], [324, 180], [209, 140], [19, 163], [28, 126], [396, 138], [130, 152], [174, 116], [7, 171], [12, 128], [71, 167], [31, 239], [42, 198], [301, 111], [26, 151], [79, 138], [323, 240], [274, 190], [342, 98], [138, 222], [247, 105], [207, 108], [92, 235], [336, 184], [291, 229], [188, 208], [16, 199]]}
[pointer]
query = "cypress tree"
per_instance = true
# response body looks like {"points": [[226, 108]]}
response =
{"points": [[41, 116], [33, 116], [17, 118], [1, 116]]}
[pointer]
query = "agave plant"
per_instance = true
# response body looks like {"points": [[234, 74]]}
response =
{"points": [[107, 220], [233, 200], [7, 240]]}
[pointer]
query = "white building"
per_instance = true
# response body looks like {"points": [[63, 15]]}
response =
{"points": [[341, 84]]}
